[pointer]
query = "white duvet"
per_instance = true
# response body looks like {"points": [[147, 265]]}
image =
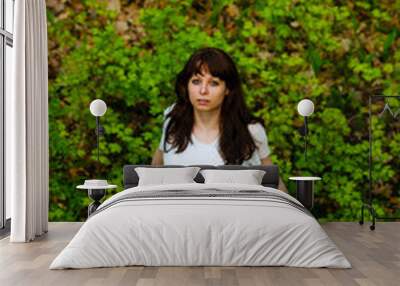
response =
{"points": [[200, 231]]}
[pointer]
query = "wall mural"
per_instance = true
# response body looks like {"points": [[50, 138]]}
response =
{"points": [[128, 53]]}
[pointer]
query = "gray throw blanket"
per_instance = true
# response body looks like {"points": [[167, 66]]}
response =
{"points": [[198, 194]]}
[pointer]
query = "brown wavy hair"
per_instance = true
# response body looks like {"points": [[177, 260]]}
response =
{"points": [[236, 143]]}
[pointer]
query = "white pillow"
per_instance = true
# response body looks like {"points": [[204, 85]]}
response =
{"points": [[164, 176], [248, 177]]}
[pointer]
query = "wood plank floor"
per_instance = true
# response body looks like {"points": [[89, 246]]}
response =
{"points": [[374, 255]]}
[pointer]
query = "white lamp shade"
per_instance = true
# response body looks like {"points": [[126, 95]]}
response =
{"points": [[98, 107], [305, 107]]}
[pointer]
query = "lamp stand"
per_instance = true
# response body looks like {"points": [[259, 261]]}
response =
{"points": [[305, 137], [366, 197], [97, 136], [99, 132]]}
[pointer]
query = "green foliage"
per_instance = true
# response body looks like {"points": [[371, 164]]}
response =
{"points": [[335, 53]]}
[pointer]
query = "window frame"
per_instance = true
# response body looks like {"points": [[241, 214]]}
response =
{"points": [[6, 39]]}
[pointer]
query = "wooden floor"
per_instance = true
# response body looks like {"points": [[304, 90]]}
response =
{"points": [[374, 255]]}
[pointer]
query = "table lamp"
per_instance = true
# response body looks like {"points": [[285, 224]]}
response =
{"points": [[305, 109], [98, 108]]}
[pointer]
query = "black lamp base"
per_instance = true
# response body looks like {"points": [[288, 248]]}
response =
{"points": [[305, 193], [96, 195]]}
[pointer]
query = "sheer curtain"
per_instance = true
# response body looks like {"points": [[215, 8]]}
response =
{"points": [[27, 168]]}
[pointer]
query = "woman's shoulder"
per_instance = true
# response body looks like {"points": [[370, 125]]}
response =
{"points": [[256, 128], [257, 131]]}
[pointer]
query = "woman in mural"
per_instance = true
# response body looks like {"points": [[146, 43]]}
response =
{"points": [[209, 124]]}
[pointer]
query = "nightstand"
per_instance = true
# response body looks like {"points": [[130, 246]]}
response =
{"points": [[305, 190], [96, 193]]}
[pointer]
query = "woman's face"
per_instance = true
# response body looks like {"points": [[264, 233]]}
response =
{"points": [[206, 92]]}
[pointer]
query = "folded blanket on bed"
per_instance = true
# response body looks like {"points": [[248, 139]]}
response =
{"points": [[201, 224], [205, 194]]}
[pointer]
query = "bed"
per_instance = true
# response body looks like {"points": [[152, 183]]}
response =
{"points": [[201, 224]]}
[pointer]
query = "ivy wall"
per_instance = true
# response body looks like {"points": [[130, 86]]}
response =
{"points": [[127, 53]]}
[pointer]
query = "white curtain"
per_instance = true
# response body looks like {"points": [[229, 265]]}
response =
{"points": [[27, 153]]}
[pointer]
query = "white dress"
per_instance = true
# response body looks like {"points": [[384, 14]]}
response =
{"points": [[199, 153]]}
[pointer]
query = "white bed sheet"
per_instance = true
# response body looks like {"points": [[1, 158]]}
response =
{"points": [[201, 231]]}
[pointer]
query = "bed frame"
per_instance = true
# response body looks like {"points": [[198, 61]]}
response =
{"points": [[270, 179]]}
